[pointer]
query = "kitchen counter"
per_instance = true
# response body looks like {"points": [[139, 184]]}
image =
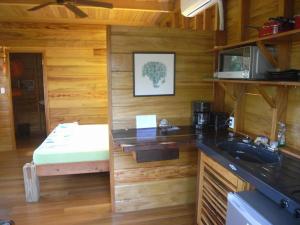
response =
{"points": [[130, 139], [280, 182]]}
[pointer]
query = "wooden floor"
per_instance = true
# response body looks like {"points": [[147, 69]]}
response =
{"points": [[71, 200]]}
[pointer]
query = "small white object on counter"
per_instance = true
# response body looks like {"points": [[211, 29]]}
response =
{"points": [[145, 121]]}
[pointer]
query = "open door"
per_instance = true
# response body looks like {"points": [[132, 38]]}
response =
{"points": [[27, 88]]}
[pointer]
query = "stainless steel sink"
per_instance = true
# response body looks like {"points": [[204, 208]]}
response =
{"points": [[249, 152]]}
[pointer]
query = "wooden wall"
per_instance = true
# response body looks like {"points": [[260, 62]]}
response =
{"points": [[7, 139], [258, 114], [156, 184], [193, 64], [74, 64]]}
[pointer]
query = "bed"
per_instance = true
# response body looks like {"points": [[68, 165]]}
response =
{"points": [[69, 149]]}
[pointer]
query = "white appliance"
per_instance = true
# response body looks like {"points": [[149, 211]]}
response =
{"points": [[190, 8], [253, 208]]}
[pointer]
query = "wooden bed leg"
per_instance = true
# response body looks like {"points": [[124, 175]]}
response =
{"points": [[31, 183]]}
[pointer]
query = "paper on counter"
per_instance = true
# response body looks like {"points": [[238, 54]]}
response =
{"points": [[145, 121]]}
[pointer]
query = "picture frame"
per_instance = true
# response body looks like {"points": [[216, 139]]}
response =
{"points": [[154, 74]]}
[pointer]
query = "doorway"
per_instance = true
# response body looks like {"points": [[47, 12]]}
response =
{"points": [[27, 85]]}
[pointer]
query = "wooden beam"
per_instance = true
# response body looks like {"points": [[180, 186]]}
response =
{"points": [[239, 107], [184, 22], [267, 54], [166, 21], [265, 96], [156, 6], [279, 113], [207, 15], [175, 20], [243, 20], [219, 98], [227, 91], [285, 8], [199, 22]]}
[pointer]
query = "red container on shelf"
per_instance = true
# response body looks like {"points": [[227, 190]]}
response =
{"points": [[276, 25], [297, 21]]}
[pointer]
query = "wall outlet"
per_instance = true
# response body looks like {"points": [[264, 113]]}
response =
{"points": [[2, 91], [231, 122]]}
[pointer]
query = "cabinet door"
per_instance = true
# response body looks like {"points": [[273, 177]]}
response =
{"points": [[215, 182]]}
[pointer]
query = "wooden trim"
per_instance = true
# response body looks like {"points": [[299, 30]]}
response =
{"points": [[45, 84], [11, 107], [110, 117], [45, 78], [72, 168], [200, 186]]}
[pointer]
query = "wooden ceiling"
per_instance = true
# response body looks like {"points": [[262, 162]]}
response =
{"points": [[165, 13], [125, 12]]}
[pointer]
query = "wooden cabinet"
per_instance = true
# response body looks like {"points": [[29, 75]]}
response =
{"points": [[215, 182]]}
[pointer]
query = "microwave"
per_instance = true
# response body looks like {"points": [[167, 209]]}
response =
{"points": [[243, 63]]}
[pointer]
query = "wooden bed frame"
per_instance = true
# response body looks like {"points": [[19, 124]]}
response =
{"points": [[32, 172]]}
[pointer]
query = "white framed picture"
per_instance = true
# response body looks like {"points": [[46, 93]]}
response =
{"points": [[153, 73]]}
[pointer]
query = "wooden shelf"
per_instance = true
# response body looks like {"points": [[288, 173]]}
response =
{"points": [[257, 82], [292, 35]]}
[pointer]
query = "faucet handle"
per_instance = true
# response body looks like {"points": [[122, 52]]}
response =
{"points": [[273, 146], [246, 139], [261, 140]]}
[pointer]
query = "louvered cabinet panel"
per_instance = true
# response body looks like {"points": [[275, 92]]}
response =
{"points": [[215, 182]]}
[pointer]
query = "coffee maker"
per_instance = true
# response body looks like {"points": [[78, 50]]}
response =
{"points": [[201, 114]]}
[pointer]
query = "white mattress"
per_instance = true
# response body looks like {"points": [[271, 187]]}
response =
{"points": [[71, 142]]}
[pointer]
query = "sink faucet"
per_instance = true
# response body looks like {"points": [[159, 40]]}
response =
{"points": [[246, 139], [263, 140]]}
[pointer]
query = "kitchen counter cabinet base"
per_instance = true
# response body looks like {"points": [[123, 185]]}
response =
{"points": [[215, 182]]}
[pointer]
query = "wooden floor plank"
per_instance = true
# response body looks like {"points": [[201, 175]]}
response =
{"points": [[72, 200]]}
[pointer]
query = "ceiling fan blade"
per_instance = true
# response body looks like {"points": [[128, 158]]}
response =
{"points": [[40, 6], [78, 12], [94, 3]]}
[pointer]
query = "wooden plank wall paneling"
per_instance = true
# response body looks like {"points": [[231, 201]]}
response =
{"points": [[75, 65], [137, 186], [260, 11], [193, 63], [257, 112], [7, 141]]}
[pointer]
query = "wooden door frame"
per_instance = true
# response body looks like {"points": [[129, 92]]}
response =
{"points": [[45, 87]]}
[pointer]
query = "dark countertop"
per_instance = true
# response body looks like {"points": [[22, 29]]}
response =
{"points": [[277, 181], [128, 139]]}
